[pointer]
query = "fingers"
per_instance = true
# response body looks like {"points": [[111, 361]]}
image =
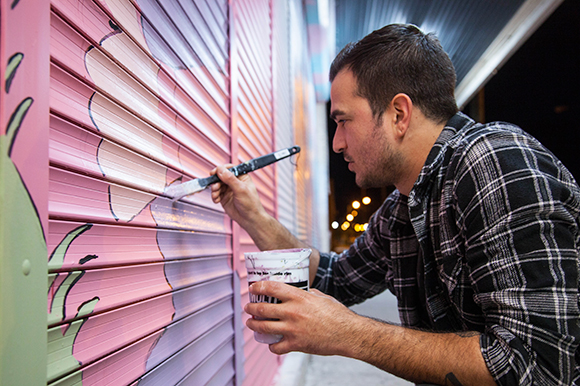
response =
{"points": [[219, 189], [227, 181], [279, 290]]}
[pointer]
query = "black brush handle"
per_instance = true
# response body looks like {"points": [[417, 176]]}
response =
{"points": [[253, 164]]}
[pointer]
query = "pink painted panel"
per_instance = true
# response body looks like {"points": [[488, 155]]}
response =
{"points": [[76, 149], [125, 17], [283, 127], [115, 245], [148, 103], [255, 137], [79, 102], [87, 199], [118, 58]]}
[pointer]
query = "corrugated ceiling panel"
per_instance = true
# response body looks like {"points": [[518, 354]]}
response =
{"points": [[465, 27], [139, 288]]}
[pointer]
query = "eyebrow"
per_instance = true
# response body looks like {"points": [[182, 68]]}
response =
{"points": [[335, 113]]}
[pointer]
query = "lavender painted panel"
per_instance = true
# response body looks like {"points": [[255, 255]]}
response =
{"points": [[187, 49], [218, 369], [179, 365], [178, 336]]}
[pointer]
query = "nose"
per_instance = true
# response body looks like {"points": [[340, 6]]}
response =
{"points": [[338, 142]]}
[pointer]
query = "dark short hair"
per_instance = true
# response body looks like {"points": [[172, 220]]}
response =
{"points": [[400, 58]]}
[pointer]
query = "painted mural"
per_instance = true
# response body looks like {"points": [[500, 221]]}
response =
{"points": [[140, 290], [140, 150]]}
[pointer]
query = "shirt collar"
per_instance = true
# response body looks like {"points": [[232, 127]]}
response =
{"points": [[450, 135]]}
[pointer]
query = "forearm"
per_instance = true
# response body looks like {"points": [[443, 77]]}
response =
{"points": [[240, 200], [440, 358]]}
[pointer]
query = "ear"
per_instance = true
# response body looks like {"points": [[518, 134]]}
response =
{"points": [[402, 108]]}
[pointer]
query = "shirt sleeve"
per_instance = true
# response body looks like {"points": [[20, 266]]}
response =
{"points": [[363, 270], [519, 209]]}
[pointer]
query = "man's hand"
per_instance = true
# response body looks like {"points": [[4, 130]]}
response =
{"points": [[238, 196], [314, 323], [307, 320]]}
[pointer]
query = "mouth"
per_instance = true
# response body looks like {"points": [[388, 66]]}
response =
{"points": [[350, 163]]}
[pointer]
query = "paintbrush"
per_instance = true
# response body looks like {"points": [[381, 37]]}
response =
{"points": [[176, 191]]}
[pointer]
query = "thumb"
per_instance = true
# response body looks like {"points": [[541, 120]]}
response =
{"points": [[228, 177]]}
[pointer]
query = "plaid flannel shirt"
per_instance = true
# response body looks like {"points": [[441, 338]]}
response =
{"points": [[487, 241]]}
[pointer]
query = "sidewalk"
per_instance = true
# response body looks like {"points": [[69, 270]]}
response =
{"points": [[301, 369]]}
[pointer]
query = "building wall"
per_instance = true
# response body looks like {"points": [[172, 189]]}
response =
{"points": [[139, 95]]}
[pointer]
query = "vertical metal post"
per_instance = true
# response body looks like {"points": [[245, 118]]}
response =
{"points": [[233, 75], [24, 121]]}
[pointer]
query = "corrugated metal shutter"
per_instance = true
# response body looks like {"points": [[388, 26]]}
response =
{"points": [[252, 61], [284, 130], [140, 288], [303, 110]]}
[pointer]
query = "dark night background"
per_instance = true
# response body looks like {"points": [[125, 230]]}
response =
{"points": [[538, 89]]}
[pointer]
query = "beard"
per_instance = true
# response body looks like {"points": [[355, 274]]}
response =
{"points": [[383, 166]]}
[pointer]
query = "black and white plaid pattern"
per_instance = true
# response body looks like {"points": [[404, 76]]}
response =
{"points": [[488, 241]]}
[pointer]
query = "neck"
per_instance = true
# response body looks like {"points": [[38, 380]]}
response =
{"points": [[418, 142]]}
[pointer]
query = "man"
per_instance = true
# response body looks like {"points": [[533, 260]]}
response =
{"points": [[479, 242]]}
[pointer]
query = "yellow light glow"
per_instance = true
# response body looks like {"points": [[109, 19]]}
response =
{"points": [[366, 200], [345, 225], [354, 213], [355, 204], [349, 217]]}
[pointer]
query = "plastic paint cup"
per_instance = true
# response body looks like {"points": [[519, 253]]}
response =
{"points": [[289, 266]]}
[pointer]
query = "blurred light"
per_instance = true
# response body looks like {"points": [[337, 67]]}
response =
{"points": [[334, 225], [356, 204], [345, 225], [365, 226], [349, 217], [354, 213], [359, 228], [366, 200]]}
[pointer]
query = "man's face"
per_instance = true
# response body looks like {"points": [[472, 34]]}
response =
{"points": [[366, 144]]}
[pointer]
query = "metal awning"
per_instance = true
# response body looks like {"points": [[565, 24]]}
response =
{"points": [[479, 35]]}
